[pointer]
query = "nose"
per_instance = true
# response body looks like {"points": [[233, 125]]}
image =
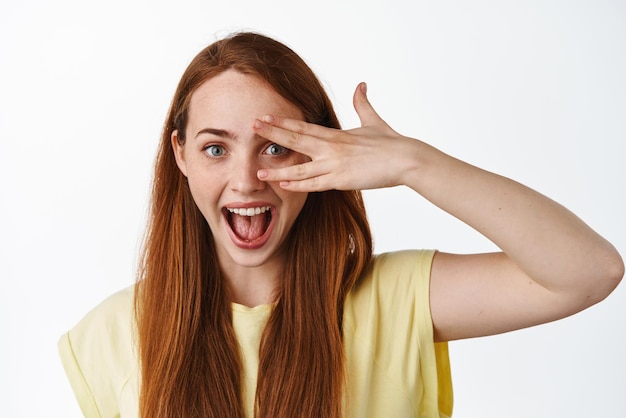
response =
{"points": [[243, 177]]}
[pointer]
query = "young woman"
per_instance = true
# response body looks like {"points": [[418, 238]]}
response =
{"points": [[258, 292]]}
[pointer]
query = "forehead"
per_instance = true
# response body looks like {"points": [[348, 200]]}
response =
{"points": [[232, 96]]}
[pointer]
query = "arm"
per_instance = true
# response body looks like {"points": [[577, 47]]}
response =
{"points": [[552, 264]]}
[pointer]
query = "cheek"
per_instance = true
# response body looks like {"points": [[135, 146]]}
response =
{"points": [[204, 176], [204, 190], [205, 199], [294, 202]]}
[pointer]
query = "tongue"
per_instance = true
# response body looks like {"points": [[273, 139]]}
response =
{"points": [[249, 228]]}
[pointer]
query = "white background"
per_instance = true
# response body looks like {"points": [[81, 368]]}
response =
{"points": [[533, 90]]}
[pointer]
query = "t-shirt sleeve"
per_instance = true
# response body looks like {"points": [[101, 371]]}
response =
{"points": [[74, 372], [97, 356], [389, 318], [434, 357]]}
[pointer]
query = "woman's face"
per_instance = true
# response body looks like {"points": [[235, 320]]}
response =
{"points": [[221, 155]]}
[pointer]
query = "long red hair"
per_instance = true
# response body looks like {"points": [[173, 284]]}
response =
{"points": [[190, 361]]}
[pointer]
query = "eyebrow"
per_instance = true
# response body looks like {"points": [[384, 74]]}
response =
{"points": [[222, 133]]}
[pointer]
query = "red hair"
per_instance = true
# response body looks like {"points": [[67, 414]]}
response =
{"points": [[190, 361]]}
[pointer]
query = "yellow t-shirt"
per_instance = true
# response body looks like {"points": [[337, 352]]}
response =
{"points": [[394, 369]]}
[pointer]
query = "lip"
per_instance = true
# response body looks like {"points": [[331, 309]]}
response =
{"points": [[258, 242]]}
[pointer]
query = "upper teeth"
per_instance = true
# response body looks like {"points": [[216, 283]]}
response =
{"points": [[249, 211]]}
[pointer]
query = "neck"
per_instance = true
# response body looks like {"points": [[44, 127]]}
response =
{"points": [[252, 286]]}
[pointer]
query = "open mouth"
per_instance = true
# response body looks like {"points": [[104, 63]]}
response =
{"points": [[249, 224]]}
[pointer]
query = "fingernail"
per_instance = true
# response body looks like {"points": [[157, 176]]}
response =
{"points": [[261, 174], [284, 183], [268, 119], [364, 88], [258, 124]]}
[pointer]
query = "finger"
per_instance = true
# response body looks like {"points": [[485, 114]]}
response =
{"points": [[313, 184], [299, 126], [363, 107], [296, 135], [295, 172]]}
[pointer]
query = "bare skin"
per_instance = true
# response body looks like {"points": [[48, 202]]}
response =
{"points": [[552, 264]]}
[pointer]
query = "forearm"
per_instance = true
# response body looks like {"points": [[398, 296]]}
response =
{"points": [[553, 246]]}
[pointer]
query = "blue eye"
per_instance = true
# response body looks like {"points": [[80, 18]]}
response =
{"points": [[275, 149], [215, 150]]}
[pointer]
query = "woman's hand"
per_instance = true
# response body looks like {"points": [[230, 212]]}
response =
{"points": [[369, 157]]}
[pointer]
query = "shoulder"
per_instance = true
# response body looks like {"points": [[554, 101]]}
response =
{"points": [[108, 328], [395, 274], [395, 286], [99, 354], [113, 316], [407, 262]]}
